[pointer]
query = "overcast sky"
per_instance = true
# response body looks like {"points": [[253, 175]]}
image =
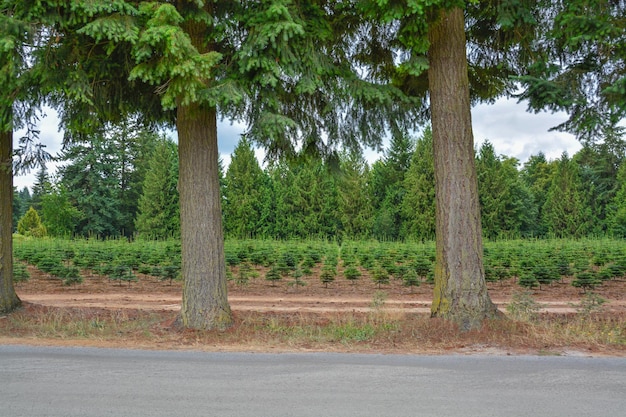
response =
{"points": [[506, 124]]}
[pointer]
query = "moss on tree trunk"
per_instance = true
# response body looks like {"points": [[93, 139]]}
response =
{"points": [[205, 300], [460, 289], [8, 298]]}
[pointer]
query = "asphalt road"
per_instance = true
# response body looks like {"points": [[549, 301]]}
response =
{"points": [[67, 382]]}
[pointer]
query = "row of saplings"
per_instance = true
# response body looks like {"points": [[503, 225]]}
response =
{"points": [[293, 267]]}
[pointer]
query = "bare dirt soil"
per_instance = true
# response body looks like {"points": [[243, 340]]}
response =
{"points": [[148, 293], [42, 293]]}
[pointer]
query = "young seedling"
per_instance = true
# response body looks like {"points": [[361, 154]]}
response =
{"points": [[273, 275], [328, 275], [297, 275]]}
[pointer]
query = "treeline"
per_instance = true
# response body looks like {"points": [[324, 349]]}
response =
{"points": [[125, 184]]}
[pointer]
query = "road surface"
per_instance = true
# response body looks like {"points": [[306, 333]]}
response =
{"points": [[89, 382]]}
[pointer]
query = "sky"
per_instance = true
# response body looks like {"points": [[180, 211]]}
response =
{"points": [[512, 130]]}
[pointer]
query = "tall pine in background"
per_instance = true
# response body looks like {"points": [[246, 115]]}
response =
{"points": [[158, 214], [243, 190]]}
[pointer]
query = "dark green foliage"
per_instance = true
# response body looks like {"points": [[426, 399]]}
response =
{"points": [[352, 273], [273, 274], [579, 67], [157, 209], [243, 274], [71, 275], [21, 203], [586, 280], [380, 276], [506, 203], [545, 274], [327, 275], [411, 279], [616, 211], [528, 280], [565, 214], [418, 203], [243, 193], [297, 275], [91, 184], [20, 273], [421, 266], [122, 273], [169, 273]]}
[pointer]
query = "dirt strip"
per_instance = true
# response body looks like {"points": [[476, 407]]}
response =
{"points": [[165, 302]]}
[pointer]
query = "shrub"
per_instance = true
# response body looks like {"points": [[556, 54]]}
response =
{"points": [[411, 279], [352, 273], [297, 275], [523, 306], [328, 275], [528, 280], [20, 273], [273, 275], [380, 276], [30, 224], [243, 275], [586, 280]]}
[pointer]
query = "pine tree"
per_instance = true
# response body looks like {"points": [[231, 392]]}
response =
{"points": [[564, 212], [617, 209], [30, 224], [418, 205], [158, 212], [506, 206], [354, 204], [92, 186], [243, 188], [599, 164], [579, 67], [58, 213], [537, 176], [41, 187]]}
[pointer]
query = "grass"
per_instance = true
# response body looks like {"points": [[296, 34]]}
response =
{"points": [[377, 331]]}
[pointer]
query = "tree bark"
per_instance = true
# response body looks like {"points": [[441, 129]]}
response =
{"points": [[460, 292], [8, 298], [205, 300]]}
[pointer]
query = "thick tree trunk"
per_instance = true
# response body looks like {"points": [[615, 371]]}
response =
{"points": [[8, 298], [205, 301], [460, 288]]}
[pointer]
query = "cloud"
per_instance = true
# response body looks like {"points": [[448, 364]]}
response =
{"points": [[515, 132]]}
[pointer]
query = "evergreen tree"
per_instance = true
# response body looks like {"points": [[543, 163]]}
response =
{"points": [[564, 212], [92, 186], [133, 145], [599, 165], [387, 186], [30, 224], [243, 188], [506, 207], [158, 214], [58, 214], [617, 208], [580, 66], [354, 204], [537, 176], [418, 205], [452, 64], [21, 203], [41, 187]]}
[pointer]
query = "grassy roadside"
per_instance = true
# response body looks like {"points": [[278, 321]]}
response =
{"points": [[589, 333]]}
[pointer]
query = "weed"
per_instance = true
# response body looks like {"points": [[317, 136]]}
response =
{"points": [[589, 304], [523, 306]]}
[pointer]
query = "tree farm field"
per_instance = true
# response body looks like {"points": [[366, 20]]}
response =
{"points": [[559, 297]]}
